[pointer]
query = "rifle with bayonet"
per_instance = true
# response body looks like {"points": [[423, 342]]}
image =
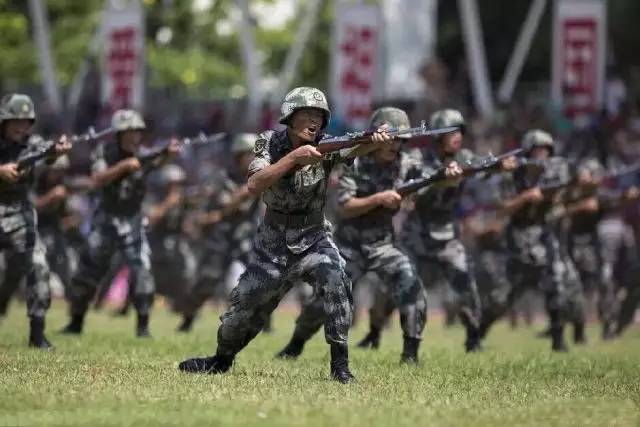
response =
{"points": [[486, 164], [151, 156], [47, 148], [351, 139]]}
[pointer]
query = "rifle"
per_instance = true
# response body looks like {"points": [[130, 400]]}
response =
{"points": [[351, 139], [149, 157], [486, 164], [48, 146]]}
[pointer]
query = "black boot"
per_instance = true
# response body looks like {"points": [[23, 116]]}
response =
{"points": [[36, 335], [74, 327], [372, 340], [410, 350], [207, 365], [267, 328], [142, 328], [187, 323], [579, 336], [292, 350], [557, 340], [340, 364], [473, 342]]}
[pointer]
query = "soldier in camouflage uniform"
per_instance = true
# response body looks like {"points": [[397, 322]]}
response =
{"points": [[119, 225], [20, 243], [430, 233], [294, 242], [228, 227], [173, 262], [535, 257], [367, 204]]}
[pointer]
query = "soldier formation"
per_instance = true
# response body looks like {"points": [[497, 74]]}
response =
{"points": [[533, 227]]}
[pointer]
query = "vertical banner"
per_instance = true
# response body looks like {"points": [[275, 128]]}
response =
{"points": [[355, 54], [123, 55], [579, 50]]}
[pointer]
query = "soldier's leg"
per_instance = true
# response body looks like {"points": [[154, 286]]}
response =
{"points": [[629, 304], [408, 294], [460, 278], [95, 262], [259, 290], [498, 293], [575, 300], [322, 266], [379, 314], [557, 301], [137, 255]]}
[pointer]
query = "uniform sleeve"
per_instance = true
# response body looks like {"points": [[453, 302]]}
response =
{"points": [[347, 187], [98, 161], [262, 155]]}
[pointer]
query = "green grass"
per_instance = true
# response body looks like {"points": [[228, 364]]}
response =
{"points": [[107, 377]]}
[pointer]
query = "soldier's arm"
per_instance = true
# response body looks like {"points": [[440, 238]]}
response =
{"points": [[357, 206], [514, 204], [115, 172], [159, 211], [9, 172], [50, 198]]}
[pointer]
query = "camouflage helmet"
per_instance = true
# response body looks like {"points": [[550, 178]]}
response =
{"points": [[16, 106], [173, 173], [537, 138], [394, 117], [243, 143], [123, 120], [592, 166], [304, 97], [447, 118]]}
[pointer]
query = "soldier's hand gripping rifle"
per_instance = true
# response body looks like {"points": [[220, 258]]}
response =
{"points": [[351, 139], [48, 147], [488, 164], [149, 158]]}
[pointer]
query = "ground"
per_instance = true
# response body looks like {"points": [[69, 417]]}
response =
{"points": [[108, 377]]}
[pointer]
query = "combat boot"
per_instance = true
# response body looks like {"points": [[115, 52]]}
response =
{"points": [[372, 340], [142, 327], [36, 334], [74, 327], [292, 350], [187, 323], [410, 350], [557, 340], [473, 342], [207, 365], [340, 364], [579, 336]]}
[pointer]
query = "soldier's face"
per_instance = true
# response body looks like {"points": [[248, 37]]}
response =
{"points": [[452, 142], [540, 153], [16, 130], [130, 140], [388, 153], [306, 123], [586, 178]]}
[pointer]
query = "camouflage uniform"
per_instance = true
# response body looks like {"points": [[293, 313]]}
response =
{"points": [[224, 242], [173, 262], [20, 243], [118, 227], [433, 239], [368, 244], [292, 244]]}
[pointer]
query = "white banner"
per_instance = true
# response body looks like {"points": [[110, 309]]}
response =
{"points": [[579, 56], [408, 45], [355, 56], [122, 58]]}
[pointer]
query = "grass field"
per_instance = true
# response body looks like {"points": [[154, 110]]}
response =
{"points": [[107, 377]]}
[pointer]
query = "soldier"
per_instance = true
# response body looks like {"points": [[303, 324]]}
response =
{"points": [[430, 233], [118, 225], [367, 204], [294, 242], [228, 227], [535, 257], [173, 262], [24, 252]]}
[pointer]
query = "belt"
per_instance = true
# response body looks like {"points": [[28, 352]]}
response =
{"points": [[294, 220]]}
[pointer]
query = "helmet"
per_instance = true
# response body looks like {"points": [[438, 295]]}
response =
{"points": [[16, 106], [127, 120], [537, 138], [243, 143], [591, 165], [447, 118], [304, 97], [173, 173], [61, 163], [394, 117]]}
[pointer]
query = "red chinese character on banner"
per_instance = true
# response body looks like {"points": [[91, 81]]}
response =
{"points": [[122, 65], [356, 80], [580, 64]]}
